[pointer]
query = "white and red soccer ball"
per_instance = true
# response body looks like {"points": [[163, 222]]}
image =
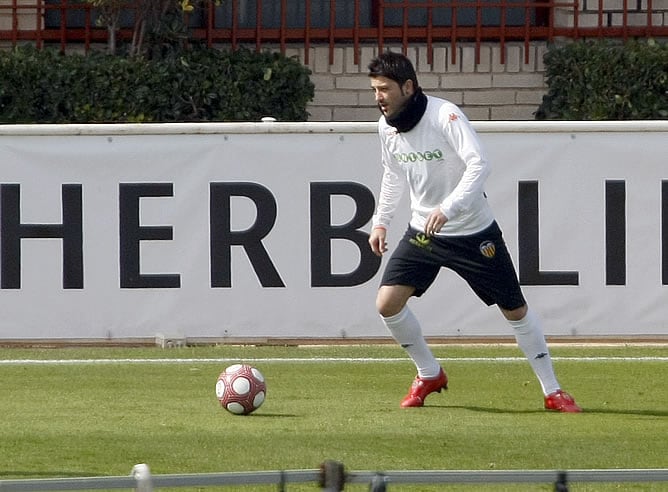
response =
{"points": [[241, 389]]}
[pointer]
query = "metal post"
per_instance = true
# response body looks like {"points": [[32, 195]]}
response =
{"points": [[332, 476], [378, 483], [561, 485]]}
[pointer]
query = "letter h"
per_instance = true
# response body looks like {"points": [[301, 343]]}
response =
{"points": [[12, 231]]}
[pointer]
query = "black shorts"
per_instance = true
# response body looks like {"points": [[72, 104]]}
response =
{"points": [[481, 259]]}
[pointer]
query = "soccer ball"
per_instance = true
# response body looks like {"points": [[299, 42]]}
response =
{"points": [[241, 389]]}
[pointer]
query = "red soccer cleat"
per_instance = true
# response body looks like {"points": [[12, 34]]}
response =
{"points": [[421, 388], [561, 402]]}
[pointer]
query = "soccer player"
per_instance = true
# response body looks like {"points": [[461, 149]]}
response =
{"points": [[429, 145]]}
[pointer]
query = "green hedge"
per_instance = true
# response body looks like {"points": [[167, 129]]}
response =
{"points": [[604, 80], [44, 86]]}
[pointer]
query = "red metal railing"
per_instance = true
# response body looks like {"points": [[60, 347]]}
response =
{"points": [[356, 23]]}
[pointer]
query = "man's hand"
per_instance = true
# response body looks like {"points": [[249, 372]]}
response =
{"points": [[377, 240], [435, 222]]}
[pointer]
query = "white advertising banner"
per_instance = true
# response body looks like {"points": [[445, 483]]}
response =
{"points": [[240, 231]]}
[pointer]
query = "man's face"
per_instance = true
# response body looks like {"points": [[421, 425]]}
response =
{"points": [[390, 96]]}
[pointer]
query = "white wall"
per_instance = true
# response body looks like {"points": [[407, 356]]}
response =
{"points": [[172, 178]]}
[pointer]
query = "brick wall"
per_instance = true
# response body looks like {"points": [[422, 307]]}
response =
{"points": [[489, 90]]}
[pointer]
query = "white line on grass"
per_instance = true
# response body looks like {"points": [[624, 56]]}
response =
{"points": [[311, 359]]}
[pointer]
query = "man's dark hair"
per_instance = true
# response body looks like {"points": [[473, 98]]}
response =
{"points": [[394, 66]]}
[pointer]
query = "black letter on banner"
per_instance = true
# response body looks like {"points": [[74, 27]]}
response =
{"points": [[12, 231], [615, 232], [131, 234], [223, 238], [664, 232], [528, 238], [322, 232]]}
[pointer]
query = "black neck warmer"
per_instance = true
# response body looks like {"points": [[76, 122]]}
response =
{"points": [[410, 114]]}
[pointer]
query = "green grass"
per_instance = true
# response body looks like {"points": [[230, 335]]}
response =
{"points": [[83, 419]]}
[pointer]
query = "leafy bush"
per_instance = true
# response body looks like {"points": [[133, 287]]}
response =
{"points": [[201, 84], [603, 80]]}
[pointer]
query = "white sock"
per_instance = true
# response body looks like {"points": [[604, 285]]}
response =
{"points": [[530, 339], [406, 330]]}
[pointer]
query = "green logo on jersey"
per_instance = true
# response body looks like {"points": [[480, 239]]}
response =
{"points": [[428, 155]]}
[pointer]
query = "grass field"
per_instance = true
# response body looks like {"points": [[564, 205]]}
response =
{"points": [[97, 412]]}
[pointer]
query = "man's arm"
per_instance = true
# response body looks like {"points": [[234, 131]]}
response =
{"points": [[391, 189], [464, 140]]}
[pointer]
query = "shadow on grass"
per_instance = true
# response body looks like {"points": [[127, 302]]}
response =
{"points": [[642, 413], [488, 409], [587, 410], [271, 415]]}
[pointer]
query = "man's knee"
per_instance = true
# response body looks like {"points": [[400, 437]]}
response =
{"points": [[515, 314], [387, 307], [391, 299]]}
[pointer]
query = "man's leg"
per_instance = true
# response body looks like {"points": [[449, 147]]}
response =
{"points": [[406, 330], [405, 327], [531, 340]]}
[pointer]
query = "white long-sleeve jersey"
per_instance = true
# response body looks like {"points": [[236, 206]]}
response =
{"points": [[444, 165]]}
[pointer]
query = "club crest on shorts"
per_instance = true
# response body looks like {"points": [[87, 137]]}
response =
{"points": [[421, 241], [488, 249]]}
